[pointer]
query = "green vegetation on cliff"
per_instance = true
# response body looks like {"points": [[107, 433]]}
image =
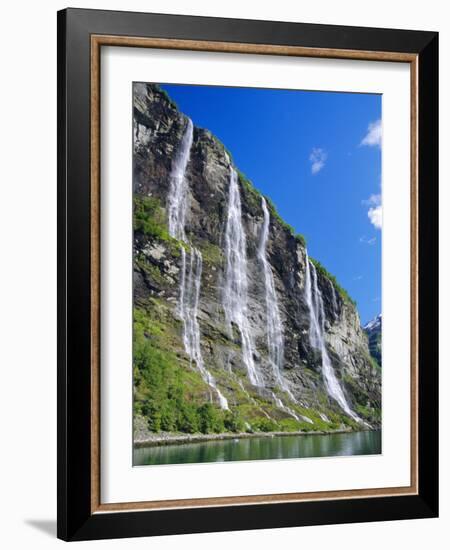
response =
{"points": [[255, 199], [322, 270], [166, 96], [171, 395], [170, 391], [165, 392], [149, 218]]}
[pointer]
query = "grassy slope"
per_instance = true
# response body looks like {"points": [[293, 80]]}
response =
{"points": [[170, 393]]}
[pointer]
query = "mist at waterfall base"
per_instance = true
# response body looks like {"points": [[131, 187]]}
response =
{"points": [[271, 137]]}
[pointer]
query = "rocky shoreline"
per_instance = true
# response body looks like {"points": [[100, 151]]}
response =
{"points": [[166, 438]]}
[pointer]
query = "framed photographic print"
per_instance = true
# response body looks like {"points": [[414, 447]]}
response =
{"points": [[247, 274]]}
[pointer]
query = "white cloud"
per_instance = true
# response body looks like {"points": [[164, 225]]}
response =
{"points": [[373, 200], [375, 212], [374, 134], [366, 240], [317, 158], [375, 216]]}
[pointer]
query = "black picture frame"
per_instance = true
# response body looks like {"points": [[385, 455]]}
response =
{"points": [[76, 521]]}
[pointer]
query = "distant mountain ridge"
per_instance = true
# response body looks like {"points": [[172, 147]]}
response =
{"points": [[373, 331]]}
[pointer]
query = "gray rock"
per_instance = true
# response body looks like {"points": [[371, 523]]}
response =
{"points": [[158, 127]]}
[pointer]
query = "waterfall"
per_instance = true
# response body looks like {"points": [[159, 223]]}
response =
{"points": [[275, 341], [252, 399], [177, 198], [235, 285], [191, 264], [287, 409], [333, 299], [191, 336], [316, 335]]}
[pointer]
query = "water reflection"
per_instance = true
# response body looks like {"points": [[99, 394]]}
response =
{"points": [[262, 448]]}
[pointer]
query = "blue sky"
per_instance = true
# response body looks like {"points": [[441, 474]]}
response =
{"points": [[317, 155]]}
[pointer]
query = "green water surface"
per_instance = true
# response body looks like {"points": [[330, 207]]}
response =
{"points": [[262, 448]]}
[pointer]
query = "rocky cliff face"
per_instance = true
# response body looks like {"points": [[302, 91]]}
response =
{"points": [[297, 393]]}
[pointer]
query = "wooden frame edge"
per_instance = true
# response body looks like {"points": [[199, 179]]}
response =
{"points": [[248, 48], [261, 49]]}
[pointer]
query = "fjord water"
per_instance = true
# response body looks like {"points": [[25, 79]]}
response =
{"points": [[262, 448]]}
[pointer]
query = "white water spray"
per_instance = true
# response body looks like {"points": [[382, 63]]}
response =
{"points": [[177, 197], [252, 399], [275, 340], [191, 264], [287, 409], [235, 286], [191, 336], [316, 335]]}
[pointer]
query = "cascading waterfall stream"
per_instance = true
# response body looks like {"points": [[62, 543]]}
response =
{"points": [[235, 286], [190, 278], [275, 341], [287, 409], [253, 400], [191, 326], [177, 199], [333, 299], [316, 335]]}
